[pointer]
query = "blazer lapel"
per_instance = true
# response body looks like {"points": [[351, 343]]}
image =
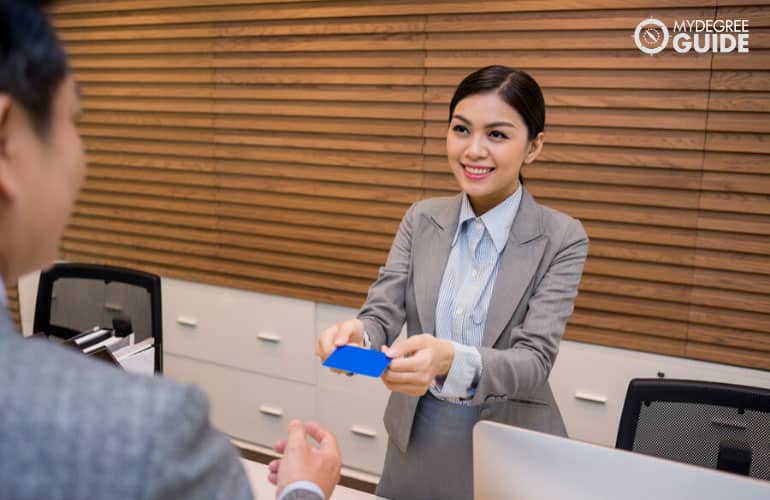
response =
{"points": [[518, 263], [432, 240]]}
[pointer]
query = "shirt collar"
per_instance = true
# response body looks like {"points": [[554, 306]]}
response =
{"points": [[498, 220]]}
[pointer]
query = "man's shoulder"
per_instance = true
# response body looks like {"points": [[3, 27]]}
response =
{"points": [[65, 408]]}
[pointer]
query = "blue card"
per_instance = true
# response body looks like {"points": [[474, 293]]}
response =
{"points": [[357, 360]]}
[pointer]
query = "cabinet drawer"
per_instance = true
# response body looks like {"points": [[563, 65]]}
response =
{"points": [[246, 405], [356, 421], [264, 333]]}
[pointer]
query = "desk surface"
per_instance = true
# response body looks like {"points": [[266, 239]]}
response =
{"points": [[263, 490]]}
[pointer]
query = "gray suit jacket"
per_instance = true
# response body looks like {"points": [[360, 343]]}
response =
{"points": [[533, 296], [75, 428]]}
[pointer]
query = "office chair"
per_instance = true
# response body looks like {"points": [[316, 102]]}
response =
{"points": [[73, 297], [721, 426]]}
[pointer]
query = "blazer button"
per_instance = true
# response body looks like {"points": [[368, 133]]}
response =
{"points": [[486, 413]]}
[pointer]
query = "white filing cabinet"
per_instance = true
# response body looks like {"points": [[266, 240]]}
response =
{"points": [[254, 356]]}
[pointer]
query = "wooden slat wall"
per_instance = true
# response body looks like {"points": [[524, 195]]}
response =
{"points": [[274, 146], [12, 293]]}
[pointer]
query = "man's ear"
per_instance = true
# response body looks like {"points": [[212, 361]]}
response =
{"points": [[7, 180], [534, 148]]}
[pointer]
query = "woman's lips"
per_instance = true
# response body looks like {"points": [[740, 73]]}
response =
{"points": [[476, 172]]}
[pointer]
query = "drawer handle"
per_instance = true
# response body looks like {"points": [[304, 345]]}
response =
{"points": [[363, 431], [110, 306], [186, 321], [271, 410], [591, 398], [269, 337]]}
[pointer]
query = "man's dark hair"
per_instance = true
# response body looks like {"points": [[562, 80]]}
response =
{"points": [[32, 60]]}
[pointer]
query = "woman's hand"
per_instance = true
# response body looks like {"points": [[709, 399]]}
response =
{"points": [[416, 362], [350, 331]]}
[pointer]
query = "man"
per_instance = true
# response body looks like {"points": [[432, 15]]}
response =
{"points": [[71, 427]]}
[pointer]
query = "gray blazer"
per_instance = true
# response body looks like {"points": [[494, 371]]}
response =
{"points": [[533, 296], [75, 428]]}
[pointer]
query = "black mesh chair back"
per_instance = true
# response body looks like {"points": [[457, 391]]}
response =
{"points": [[721, 426], [73, 297]]}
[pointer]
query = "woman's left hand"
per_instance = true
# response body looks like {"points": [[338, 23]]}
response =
{"points": [[416, 362]]}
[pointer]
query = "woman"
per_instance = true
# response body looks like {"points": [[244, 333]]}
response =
{"points": [[485, 281]]}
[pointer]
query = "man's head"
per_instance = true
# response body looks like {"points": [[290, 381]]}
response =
{"points": [[41, 156]]}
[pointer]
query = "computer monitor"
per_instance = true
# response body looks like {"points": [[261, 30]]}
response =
{"points": [[519, 464]]}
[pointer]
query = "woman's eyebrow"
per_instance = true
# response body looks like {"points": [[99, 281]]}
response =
{"points": [[489, 125]]}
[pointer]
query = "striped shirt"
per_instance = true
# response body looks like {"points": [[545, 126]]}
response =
{"points": [[466, 288]]}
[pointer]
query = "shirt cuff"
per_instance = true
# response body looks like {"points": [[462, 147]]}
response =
{"points": [[463, 376], [301, 485]]}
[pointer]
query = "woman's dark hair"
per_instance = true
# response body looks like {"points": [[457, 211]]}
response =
{"points": [[515, 87], [32, 61]]}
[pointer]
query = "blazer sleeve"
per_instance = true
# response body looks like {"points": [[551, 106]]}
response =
{"points": [[188, 458], [526, 365], [384, 311]]}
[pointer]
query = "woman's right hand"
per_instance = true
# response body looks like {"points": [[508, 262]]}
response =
{"points": [[350, 331]]}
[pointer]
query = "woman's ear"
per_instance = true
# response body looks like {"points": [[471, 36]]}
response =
{"points": [[534, 148]]}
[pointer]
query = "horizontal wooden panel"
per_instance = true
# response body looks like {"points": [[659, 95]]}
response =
{"points": [[617, 231], [618, 176], [730, 319], [729, 338], [601, 277], [442, 81], [566, 39], [340, 297], [166, 252], [689, 100], [356, 9], [741, 80], [756, 123], [632, 305], [343, 93], [295, 108], [605, 59], [728, 355], [597, 19], [735, 223], [735, 162], [624, 340], [713, 240], [285, 76], [751, 102], [662, 273], [755, 59], [739, 143], [736, 183], [325, 60], [735, 202], [363, 25], [255, 45], [733, 261], [739, 301], [629, 324]]}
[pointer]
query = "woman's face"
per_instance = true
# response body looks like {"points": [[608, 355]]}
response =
{"points": [[487, 143]]}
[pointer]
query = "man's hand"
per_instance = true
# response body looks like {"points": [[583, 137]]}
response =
{"points": [[416, 363], [302, 462]]}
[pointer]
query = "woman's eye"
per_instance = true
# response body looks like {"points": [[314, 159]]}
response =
{"points": [[460, 129], [496, 134]]}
